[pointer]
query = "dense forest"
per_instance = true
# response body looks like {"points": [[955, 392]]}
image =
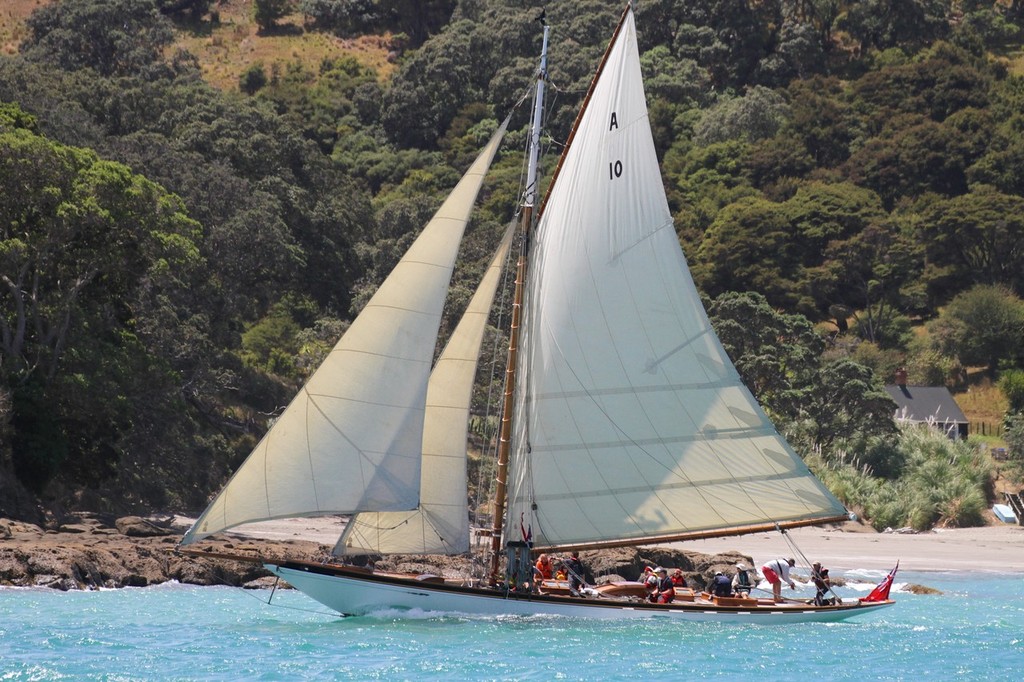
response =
{"points": [[846, 176]]}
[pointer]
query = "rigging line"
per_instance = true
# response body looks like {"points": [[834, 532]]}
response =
{"points": [[369, 526], [484, 489], [568, 91], [793, 546], [250, 593]]}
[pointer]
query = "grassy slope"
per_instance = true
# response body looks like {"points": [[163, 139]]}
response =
{"points": [[226, 49], [12, 19]]}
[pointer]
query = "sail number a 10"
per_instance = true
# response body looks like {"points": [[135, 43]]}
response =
{"points": [[614, 167]]}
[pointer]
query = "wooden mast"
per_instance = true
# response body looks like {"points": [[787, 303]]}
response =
{"points": [[526, 224]]}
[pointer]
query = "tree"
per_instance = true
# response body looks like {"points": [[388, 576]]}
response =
{"points": [[889, 23], [267, 12], [757, 115], [417, 18], [821, 117], [195, 8], [779, 359], [875, 272], [253, 79], [98, 267], [911, 156], [1011, 383], [751, 246], [985, 326], [845, 402], [979, 235], [774, 353], [114, 37]]}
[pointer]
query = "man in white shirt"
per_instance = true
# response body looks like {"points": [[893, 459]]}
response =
{"points": [[777, 572]]}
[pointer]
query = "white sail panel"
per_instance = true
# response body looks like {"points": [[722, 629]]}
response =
{"points": [[350, 441], [632, 422], [440, 525]]}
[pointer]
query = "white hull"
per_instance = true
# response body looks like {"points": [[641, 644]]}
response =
{"points": [[361, 594]]}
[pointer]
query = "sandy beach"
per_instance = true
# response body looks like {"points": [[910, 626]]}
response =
{"points": [[987, 548]]}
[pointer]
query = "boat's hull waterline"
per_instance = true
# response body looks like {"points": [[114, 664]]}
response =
{"points": [[358, 593]]}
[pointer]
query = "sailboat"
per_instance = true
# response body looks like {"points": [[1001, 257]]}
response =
{"points": [[624, 421]]}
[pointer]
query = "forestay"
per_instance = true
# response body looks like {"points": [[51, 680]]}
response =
{"points": [[632, 423]]}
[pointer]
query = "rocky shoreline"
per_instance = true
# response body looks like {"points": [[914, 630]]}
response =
{"points": [[92, 552]]}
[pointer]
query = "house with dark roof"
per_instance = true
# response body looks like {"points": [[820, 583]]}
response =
{"points": [[927, 405]]}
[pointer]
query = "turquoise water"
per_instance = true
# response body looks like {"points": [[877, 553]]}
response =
{"points": [[974, 630]]}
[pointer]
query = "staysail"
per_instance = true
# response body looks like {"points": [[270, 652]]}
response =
{"points": [[350, 441], [440, 525], [632, 425]]}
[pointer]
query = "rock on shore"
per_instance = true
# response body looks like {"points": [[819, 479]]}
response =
{"points": [[93, 552], [129, 552]]}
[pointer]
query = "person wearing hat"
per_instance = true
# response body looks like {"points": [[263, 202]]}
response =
{"points": [[720, 585], [666, 590], [776, 572], [819, 574], [742, 583], [650, 581]]}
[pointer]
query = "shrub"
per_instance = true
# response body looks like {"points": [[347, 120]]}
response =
{"points": [[1011, 383], [253, 79], [943, 482]]}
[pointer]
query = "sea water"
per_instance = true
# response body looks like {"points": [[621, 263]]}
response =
{"points": [[973, 630]]}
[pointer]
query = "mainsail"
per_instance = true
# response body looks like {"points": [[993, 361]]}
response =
{"points": [[351, 440], [441, 523], [632, 425]]}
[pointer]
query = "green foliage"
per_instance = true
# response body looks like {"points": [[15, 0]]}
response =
{"points": [[883, 362], [891, 332], [930, 366], [267, 12], [943, 483], [884, 24], [39, 442], [845, 401], [774, 353], [113, 37], [751, 246], [253, 79], [979, 236], [1013, 432], [759, 114], [269, 343], [344, 17], [100, 270], [1011, 383], [984, 325], [12, 116]]}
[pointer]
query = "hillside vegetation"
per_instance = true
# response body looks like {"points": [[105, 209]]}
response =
{"points": [[196, 197]]}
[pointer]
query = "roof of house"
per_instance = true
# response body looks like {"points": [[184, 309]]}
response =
{"points": [[919, 403]]}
